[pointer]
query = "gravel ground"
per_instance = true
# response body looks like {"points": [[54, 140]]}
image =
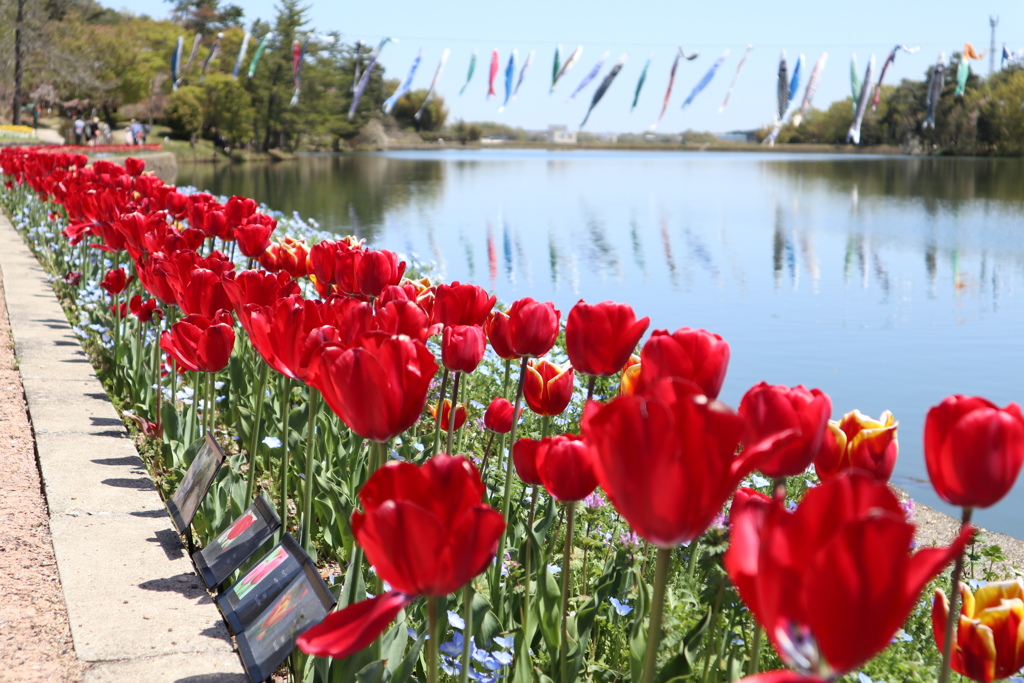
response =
{"points": [[35, 638]]}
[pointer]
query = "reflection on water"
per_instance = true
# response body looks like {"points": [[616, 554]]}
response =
{"points": [[887, 282]]}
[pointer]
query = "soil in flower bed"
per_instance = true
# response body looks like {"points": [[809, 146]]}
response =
{"points": [[35, 637]]}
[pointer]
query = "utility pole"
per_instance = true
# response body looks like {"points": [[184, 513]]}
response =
{"points": [[16, 118], [993, 22]]}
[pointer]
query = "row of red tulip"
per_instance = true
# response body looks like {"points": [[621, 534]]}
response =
{"points": [[666, 452]]}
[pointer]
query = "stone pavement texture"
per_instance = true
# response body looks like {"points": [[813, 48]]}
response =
{"points": [[137, 610]]}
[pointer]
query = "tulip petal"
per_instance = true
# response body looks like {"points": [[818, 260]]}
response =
{"points": [[347, 631]]}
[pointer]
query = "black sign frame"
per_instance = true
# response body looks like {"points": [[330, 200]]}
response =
{"points": [[226, 553], [185, 501]]}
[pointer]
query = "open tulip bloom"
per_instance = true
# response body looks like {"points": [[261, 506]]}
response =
{"points": [[426, 531], [833, 581], [989, 640]]}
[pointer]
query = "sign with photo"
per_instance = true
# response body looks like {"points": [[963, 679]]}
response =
{"points": [[251, 594], [271, 638], [237, 543], [185, 502]]}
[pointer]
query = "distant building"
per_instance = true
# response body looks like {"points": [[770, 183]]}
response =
{"points": [[561, 135]]}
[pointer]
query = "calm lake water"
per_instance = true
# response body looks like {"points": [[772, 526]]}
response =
{"points": [[887, 282]]}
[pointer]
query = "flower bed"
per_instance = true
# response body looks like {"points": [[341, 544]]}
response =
{"points": [[644, 577]]}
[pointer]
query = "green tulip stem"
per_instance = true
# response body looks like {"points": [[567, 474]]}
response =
{"points": [[716, 611], [504, 380], [570, 515], [440, 407], [954, 606], [657, 609], [137, 359], [779, 488], [432, 640], [527, 562], [506, 500], [464, 388], [545, 426], [307, 497], [467, 633], [487, 454], [755, 651], [209, 401], [194, 415], [451, 413], [591, 385], [250, 482], [285, 389]]}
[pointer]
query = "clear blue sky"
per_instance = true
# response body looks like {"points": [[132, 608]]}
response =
{"points": [[800, 26]]}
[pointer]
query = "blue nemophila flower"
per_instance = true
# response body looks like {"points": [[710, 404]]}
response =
{"points": [[864, 678], [621, 608], [272, 442], [554, 569], [456, 621], [759, 481], [505, 641]]}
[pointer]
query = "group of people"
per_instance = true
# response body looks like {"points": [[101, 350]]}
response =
{"points": [[93, 132]]}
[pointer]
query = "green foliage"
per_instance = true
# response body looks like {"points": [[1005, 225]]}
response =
{"points": [[434, 116], [227, 107], [184, 111]]}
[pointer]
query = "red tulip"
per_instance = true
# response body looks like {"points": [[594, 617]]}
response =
{"points": [[134, 166], [73, 277], [861, 443], [426, 531], [238, 210], [566, 467], [446, 415], [524, 457], [375, 270], [289, 334], [119, 311], [200, 344], [145, 310], [548, 387], [253, 236], [691, 354], [990, 634], [497, 333], [324, 259], [289, 255], [462, 347], [378, 390], [832, 582], [532, 327], [498, 416], [202, 291], [599, 338], [404, 317], [461, 304], [787, 423], [115, 281], [256, 287], [667, 458], [973, 450]]}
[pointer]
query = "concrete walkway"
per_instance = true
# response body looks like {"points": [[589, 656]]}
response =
{"points": [[137, 610]]}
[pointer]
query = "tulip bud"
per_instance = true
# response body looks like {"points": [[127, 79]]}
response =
{"points": [[547, 387], [498, 416], [497, 333], [858, 442], [599, 338], [446, 415], [524, 456], [788, 424], [989, 638], [973, 450], [462, 347], [696, 355], [532, 327], [115, 281], [566, 467]]}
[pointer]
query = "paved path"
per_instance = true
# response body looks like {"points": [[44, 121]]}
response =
{"points": [[136, 608]]}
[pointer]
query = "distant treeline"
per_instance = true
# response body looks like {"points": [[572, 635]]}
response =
{"points": [[987, 120]]}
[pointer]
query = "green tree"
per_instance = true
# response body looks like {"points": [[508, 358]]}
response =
{"points": [[434, 116], [205, 16], [184, 111], [227, 107]]}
